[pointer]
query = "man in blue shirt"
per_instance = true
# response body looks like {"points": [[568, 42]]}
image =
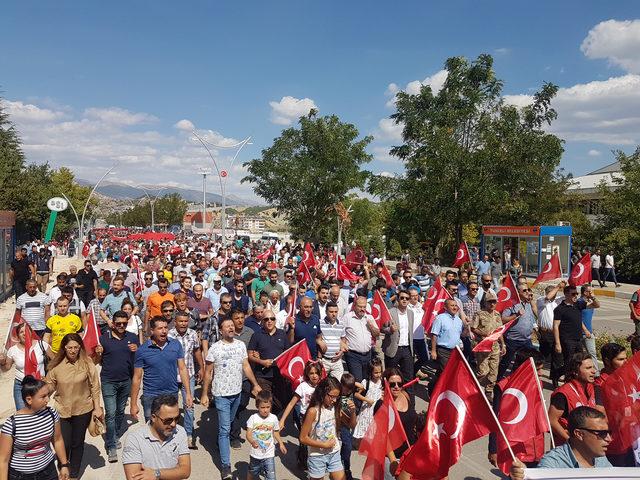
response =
{"points": [[158, 362], [589, 437], [483, 266], [306, 326], [445, 334], [113, 302], [518, 337]]}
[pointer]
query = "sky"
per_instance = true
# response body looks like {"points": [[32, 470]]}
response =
{"points": [[91, 84]]}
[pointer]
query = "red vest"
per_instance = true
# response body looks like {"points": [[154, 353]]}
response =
{"points": [[575, 394], [601, 379], [636, 305]]}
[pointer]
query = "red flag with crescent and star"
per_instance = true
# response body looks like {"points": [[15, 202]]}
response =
{"points": [[486, 344], [264, 256], [581, 271], [343, 271], [385, 433], [507, 295], [12, 335], [356, 257], [91, 337], [433, 304], [31, 365], [384, 273], [308, 256], [522, 413], [621, 396], [458, 414], [551, 270], [379, 310], [292, 361], [462, 255], [303, 274]]}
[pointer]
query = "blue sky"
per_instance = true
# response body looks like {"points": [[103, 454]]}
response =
{"points": [[89, 83]]}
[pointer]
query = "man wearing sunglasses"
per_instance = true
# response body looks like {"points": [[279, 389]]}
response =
{"points": [[518, 337], [589, 437], [159, 449]]}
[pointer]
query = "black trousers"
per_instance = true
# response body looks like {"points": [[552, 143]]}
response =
{"points": [[236, 423], [74, 430], [403, 361], [569, 347], [280, 390], [595, 275], [443, 358]]}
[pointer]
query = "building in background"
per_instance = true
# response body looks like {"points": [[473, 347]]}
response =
{"points": [[586, 188]]}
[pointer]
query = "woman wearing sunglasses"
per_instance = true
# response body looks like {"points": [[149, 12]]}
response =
{"points": [[405, 404]]}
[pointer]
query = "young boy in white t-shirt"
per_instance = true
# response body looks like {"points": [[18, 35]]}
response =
{"points": [[263, 430]]}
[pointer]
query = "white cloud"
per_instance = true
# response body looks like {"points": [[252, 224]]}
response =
{"points": [[617, 41], [381, 154], [502, 51], [389, 130], [185, 125], [91, 140], [606, 111], [387, 174], [436, 81], [289, 109], [594, 153], [119, 116]]}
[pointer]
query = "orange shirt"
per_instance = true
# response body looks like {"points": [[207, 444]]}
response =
{"points": [[155, 300]]}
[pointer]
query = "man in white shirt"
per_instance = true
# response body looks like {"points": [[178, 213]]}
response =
{"points": [[546, 304], [398, 338], [596, 263], [610, 269], [360, 333]]}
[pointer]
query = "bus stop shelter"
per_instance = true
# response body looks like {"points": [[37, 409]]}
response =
{"points": [[533, 245]]}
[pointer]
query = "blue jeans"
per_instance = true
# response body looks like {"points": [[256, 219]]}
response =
{"points": [[115, 396], [227, 408], [262, 467], [17, 394], [188, 412]]}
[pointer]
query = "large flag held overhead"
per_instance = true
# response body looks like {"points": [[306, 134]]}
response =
{"points": [[433, 304], [581, 271], [356, 257], [551, 270], [379, 310], [385, 433], [507, 295], [462, 255], [523, 414], [343, 271], [292, 361], [458, 414], [621, 396]]}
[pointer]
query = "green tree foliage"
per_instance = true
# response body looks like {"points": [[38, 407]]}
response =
{"points": [[470, 158], [367, 223], [169, 209], [620, 222], [308, 170]]}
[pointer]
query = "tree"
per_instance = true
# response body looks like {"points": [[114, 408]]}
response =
{"points": [[620, 221], [169, 209], [308, 170], [367, 223], [470, 158]]}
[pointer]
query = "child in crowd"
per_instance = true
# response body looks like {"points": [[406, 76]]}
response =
{"points": [[347, 420], [369, 394], [263, 431]]}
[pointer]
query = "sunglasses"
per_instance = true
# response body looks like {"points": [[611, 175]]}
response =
{"points": [[269, 319], [120, 324], [168, 421], [601, 434], [168, 310], [473, 289], [225, 302], [395, 384]]}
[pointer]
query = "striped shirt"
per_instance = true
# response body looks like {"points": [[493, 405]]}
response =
{"points": [[190, 342], [32, 309], [32, 439], [332, 335]]}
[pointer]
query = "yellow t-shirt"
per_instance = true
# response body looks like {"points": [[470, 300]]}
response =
{"points": [[59, 326]]}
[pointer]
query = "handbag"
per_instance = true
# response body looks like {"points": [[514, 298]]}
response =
{"points": [[97, 426]]}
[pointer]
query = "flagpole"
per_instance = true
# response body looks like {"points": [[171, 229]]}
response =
{"points": [[292, 346], [544, 405], [480, 389]]}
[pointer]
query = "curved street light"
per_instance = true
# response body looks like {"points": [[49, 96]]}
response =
{"points": [[86, 205], [223, 179], [152, 203]]}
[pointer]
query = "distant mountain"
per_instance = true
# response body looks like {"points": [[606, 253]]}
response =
{"points": [[119, 190]]}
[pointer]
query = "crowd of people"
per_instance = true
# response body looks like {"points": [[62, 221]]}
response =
{"points": [[195, 322]]}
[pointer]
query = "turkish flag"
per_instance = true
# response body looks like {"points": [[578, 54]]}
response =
{"points": [[458, 414], [303, 275], [85, 249], [31, 366], [522, 412], [385, 433], [384, 273], [264, 256], [462, 255], [292, 361], [343, 271], [309, 257], [139, 285], [12, 336], [507, 295], [551, 270], [379, 310], [356, 257], [433, 304], [91, 338], [486, 344], [621, 395], [581, 271]]}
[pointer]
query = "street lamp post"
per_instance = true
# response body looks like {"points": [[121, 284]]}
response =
{"points": [[152, 204], [78, 247], [222, 176], [204, 172], [86, 205]]}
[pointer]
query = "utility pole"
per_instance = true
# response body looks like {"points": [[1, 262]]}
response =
{"points": [[204, 172]]}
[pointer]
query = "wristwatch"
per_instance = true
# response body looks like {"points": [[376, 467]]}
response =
{"points": [[63, 465], [157, 474]]}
